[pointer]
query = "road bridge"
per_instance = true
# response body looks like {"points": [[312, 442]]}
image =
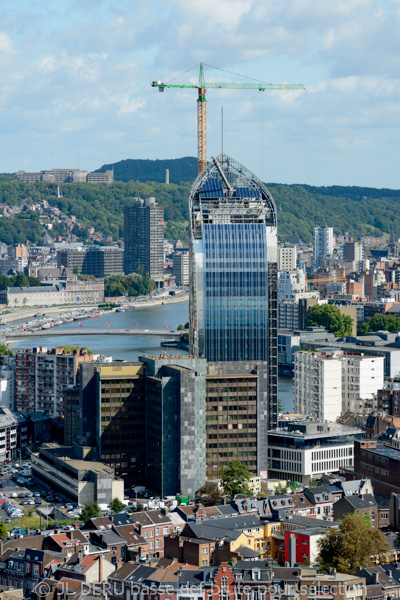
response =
{"points": [[53, 332]]}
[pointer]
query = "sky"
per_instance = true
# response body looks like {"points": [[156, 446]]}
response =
{"points": [[75, 86]]}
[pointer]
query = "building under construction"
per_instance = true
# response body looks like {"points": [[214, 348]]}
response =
{"points": [[233, 261]]}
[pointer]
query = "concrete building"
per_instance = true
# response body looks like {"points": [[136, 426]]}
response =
{"points": [[233, 270], [318, 384], [144, 237], [66, 176], [329, 382], [41, 376], [146, 419], [323, 244], [236, 415], [99, 261], [180, 268], [287, 258], [68, 471], [51, 295], [105, 177], [293, 295], [304, 450]]}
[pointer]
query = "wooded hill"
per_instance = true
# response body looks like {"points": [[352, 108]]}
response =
{"points": [[360, 211]]}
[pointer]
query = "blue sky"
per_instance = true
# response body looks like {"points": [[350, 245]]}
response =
{"points": [[75, 85]]}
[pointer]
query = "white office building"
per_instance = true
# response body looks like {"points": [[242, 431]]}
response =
{"points": [[304, 450], [323, 244], [329, 382]]}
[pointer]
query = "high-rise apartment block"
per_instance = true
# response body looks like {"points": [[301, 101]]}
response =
{"points": [[287, 258], [233, 256], [99, 261], [180, 267], [328, 382], [323, 244], [41, 375], [144, 237]]}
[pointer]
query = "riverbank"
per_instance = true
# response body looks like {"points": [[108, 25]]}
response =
{"points": [[27, 313]]}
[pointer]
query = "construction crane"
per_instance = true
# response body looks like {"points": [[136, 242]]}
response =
{"points": [[325, 279], [202, 87]]}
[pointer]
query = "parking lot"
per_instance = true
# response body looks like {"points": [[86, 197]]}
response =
{"points": [[21, 495]]}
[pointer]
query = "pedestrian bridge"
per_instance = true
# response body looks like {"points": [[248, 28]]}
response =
{"points": [[53, 332]]}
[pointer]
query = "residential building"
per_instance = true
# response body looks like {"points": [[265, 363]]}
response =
{"points": [[304, 450], [323, 244], [380, 463], [41, 376], [10, 424], [62, 293], [233, 270], [287, 258], [144, 237], [99, 261], [388, 398], [330, 382], [180, 268], [318, 384], [68, 471]]}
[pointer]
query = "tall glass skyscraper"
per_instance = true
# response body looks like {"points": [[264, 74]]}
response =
{"points": [[233, 259]]}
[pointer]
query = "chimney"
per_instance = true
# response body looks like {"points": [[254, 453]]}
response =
{"points": [[100, 567]]}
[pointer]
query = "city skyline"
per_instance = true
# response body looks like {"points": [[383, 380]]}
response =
{"points": [[76, 85]]}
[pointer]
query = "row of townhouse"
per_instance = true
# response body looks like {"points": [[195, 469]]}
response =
{"points": [[244, 581]]}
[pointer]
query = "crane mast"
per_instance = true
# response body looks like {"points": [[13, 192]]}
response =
{"points": [[202, 87]]}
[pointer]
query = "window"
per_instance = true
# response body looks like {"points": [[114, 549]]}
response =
{"points": [[151, 532], [157, 531], [204, 550], [157, 543], [165, 531], [146, 533], [151, 544]]}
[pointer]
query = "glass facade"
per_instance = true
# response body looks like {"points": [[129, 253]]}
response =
{"points": [[233, 271], [235, 312]]}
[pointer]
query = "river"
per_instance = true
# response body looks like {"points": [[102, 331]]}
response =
{"points": [[130, 348]]}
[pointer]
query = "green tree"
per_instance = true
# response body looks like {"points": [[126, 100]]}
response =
{"points": [[34, 281], [4, 351], [116, 506], [380, 322], [21, 280], [209, 495], [68, 348], [356, 543], [330, 317], [3, 530], [181, 327], [235, 478], [90, 511]]}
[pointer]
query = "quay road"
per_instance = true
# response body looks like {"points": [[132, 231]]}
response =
{"points": [[51, 332]]}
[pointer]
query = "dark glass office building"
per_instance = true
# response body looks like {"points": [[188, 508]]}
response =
{"points": [[233, 260]]}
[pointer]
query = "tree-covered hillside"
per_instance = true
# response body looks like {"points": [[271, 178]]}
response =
{"points": [[180, 169], [360, 211]]}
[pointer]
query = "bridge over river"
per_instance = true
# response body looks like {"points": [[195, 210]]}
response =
{"points": [[53, 331]]}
